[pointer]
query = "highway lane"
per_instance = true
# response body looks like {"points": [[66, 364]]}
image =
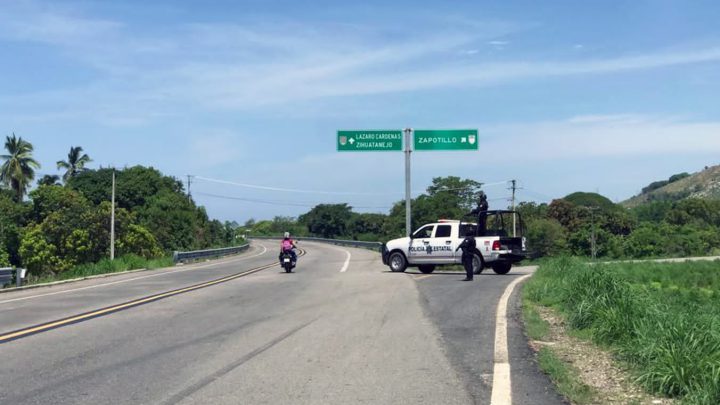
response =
{"points": [[465, 314], [23, 308], [321, 335], [316, 336]]}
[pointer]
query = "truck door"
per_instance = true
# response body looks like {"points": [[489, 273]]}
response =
{"points": [[420, 244], [443, 244]]}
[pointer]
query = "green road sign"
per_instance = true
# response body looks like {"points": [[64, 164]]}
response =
{"points": [[367, 141], [451, 139]]}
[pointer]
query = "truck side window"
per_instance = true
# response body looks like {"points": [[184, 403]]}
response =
{"points": [[443, 231], [424, 232], [464, 228]]}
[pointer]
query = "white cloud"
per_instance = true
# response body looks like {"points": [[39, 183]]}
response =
{"points": [[240, 67], [614, 136]]}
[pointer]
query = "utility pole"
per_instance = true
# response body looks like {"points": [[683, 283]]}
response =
{"points": [[593, 241], [112, 220], [513, 187], [189, 183], [408, 196]]}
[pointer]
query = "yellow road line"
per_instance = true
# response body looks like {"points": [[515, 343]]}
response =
{"points": [[119, 307]]}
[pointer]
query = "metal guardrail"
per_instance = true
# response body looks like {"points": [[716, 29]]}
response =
{"points": [[6, 276], [339, 242], [204, 254]]}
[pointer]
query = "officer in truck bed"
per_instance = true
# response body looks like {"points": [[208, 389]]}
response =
{"points": [[480, 212]]}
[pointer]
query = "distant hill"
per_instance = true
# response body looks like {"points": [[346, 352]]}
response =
{"points": [[704, 184], [591, 200]]}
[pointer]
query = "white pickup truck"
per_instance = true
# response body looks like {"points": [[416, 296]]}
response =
{"points": [[435, 245]]}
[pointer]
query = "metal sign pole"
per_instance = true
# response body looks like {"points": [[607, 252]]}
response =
{"points": [[408, 196], [112, 220]]}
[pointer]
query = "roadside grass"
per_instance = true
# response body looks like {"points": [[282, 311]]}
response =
{"points": [[564, 377], [661, 319], [535, 327], [105, 266]]}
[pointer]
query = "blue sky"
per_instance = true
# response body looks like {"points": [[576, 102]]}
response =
{"points": [[594, 96]]}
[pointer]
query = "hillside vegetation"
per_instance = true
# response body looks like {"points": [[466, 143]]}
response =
{"points": [[704, 184]]}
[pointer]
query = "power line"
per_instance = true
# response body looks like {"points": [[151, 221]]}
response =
{"points": [[291, 190], [282, 203]]}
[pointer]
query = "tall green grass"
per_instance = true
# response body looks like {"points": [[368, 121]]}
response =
{"points": [[106, 266], [661, 319]]}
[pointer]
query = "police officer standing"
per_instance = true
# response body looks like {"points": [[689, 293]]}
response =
{"points": [[481, 213], [469, 248]]}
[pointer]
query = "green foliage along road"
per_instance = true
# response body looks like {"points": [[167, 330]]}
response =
{"points": [[565, 226], [663, 320], [63, 228]]}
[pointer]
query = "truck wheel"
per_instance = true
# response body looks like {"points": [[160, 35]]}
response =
{"points": [[426, 268], [478, 264], [397, 262], [502, 268]]}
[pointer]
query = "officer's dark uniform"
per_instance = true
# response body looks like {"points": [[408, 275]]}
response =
{"points": [[469, 248], [481, 213]]}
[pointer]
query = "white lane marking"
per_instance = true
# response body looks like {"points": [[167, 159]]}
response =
{"points": [[347, 261], [502, 384], [131, 279]]}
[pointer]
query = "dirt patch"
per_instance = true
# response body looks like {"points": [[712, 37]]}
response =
{"points": [[596, 367]]}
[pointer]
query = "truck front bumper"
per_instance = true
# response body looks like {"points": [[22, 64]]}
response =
{"points": [[385, 254]]}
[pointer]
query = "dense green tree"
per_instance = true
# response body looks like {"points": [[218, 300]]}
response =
{"points": [[454, 196], [531, 211], [647, 240], [74, 164], [138, 241], [327, 220], [13, 216], [591, 200], [546, 237], [134, 185], [4, 257], [566, 213], [49, 180], [39, 256], [654, 211], [173, 221], [366, 226], [18, 168], [694, 211]]}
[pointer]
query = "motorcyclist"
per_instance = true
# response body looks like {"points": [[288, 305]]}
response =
{"points": [[288, 245]]}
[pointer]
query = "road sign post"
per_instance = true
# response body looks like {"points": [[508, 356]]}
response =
{"points": [[418, 140], [408, 193], [452, 139], [369, 141]]}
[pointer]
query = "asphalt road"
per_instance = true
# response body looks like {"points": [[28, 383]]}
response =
{"points": [[320, 335]]}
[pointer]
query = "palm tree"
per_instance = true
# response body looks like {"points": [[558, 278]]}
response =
{"points": [[49, 180], [75, 163], [18, 168]]}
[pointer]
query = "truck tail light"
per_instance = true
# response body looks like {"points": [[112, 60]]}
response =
{"points": [[496, 245]]}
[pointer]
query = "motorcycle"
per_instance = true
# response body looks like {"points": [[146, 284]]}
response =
{"points": [[287, 261]]}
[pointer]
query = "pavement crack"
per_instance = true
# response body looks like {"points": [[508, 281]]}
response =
{"points": [[232, 366]]}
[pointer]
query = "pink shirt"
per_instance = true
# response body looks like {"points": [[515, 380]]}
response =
{"points": [[287, 244]]}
